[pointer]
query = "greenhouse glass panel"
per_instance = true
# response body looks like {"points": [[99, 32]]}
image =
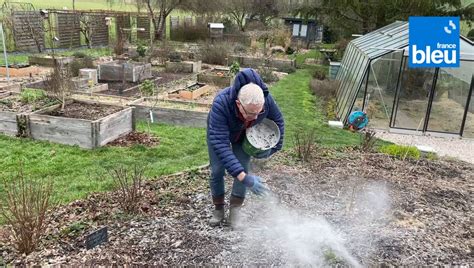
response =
{"points": [[381, 88], [347, 77], [413, 97], [469, 125], [450, 98], [346, 64], [359, 102], [341, 75], [350, 88], [357, 82]]}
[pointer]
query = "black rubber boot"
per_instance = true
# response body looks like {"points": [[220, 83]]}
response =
{"points": [[234, 213], [218, 213]]}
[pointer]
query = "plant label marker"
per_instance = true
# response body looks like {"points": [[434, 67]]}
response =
{"points": [[97, 238]]}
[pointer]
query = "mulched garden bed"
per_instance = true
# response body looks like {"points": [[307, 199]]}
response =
{"points": [[14, 104], [136, 138], [114, 87], [86, 111], [341, 208]]}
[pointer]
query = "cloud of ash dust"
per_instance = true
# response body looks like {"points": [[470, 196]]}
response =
{"points": [[280, 234]]}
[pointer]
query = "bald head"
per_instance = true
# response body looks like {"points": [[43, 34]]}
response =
{"points": [[251, 94]]}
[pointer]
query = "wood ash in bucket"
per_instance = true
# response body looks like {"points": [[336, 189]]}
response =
{"points": [[263, 136]]}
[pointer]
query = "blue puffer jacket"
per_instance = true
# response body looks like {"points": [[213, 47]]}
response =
{"points": [[224, 126]]}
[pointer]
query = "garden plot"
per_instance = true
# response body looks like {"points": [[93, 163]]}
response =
{"points": [[14, 110], [217, 76], [5, 93], [163, 82], [175, 112], [195, 92], [86, 124], [128, 71], [341, 209], [281, 64], [185, 107], [49, 61], [20, 70]]}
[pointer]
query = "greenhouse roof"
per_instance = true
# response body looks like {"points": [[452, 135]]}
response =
{"points": [[361, 51], [386, 39]]}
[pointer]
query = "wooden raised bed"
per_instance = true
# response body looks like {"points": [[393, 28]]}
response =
{"points": [[183, 66], [182, 113], [134, 72], [191, 92], [215, 77], [14, 123], [84, 133], [4, 93], [8, 125], [256, 62], [48, 61], [103, 99]]}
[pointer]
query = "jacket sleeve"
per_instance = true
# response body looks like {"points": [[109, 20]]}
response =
{"points": [[275, 114], [218, 131]]}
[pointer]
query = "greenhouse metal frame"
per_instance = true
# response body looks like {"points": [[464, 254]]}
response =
{"points": [[374, 77]]}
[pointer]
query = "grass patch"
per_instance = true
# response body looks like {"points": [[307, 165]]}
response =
{"points": [[301, 57], [77, 172], [91, 52], [310, 54], [302, 110], [14, 58]]}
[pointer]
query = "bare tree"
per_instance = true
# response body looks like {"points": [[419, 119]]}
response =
{"points": [[59, 84], [87, 25], [238, 10], [159, 10]]}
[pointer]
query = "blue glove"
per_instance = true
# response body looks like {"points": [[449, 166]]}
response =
{"points": [[255, 184]]}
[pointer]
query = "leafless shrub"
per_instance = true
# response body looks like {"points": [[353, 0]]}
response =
{"points": [[367, 140], [128, 185], [216, 53], [59, 84], [25, 209], [304, 144], [325, 89]]}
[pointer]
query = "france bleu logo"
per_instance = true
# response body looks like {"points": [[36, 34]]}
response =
{"points": [[433, 42]]}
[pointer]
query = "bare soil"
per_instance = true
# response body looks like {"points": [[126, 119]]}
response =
{"points": [[81, 110], [135, 138], [375, 210]]}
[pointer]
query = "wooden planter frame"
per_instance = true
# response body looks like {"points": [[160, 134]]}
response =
{"points": [[171, 116], [84, 133]]}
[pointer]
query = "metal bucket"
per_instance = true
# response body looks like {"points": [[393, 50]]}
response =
{"points": [[253, 144]]}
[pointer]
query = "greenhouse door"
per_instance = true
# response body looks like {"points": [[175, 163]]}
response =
{"points": [[413, 96]]}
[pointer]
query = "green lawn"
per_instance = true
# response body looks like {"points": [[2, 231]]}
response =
{"points": [[77, 172], [301, 111], [23, 57]]}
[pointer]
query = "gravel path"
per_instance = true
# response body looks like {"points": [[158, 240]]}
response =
{"points": [[453, 147]]}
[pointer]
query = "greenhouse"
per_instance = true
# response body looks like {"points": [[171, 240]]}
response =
{"points": [[375, 78]]}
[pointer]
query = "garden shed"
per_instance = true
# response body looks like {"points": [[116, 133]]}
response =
{"points": [[306, 30], [374, 77], [216, 30]]}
